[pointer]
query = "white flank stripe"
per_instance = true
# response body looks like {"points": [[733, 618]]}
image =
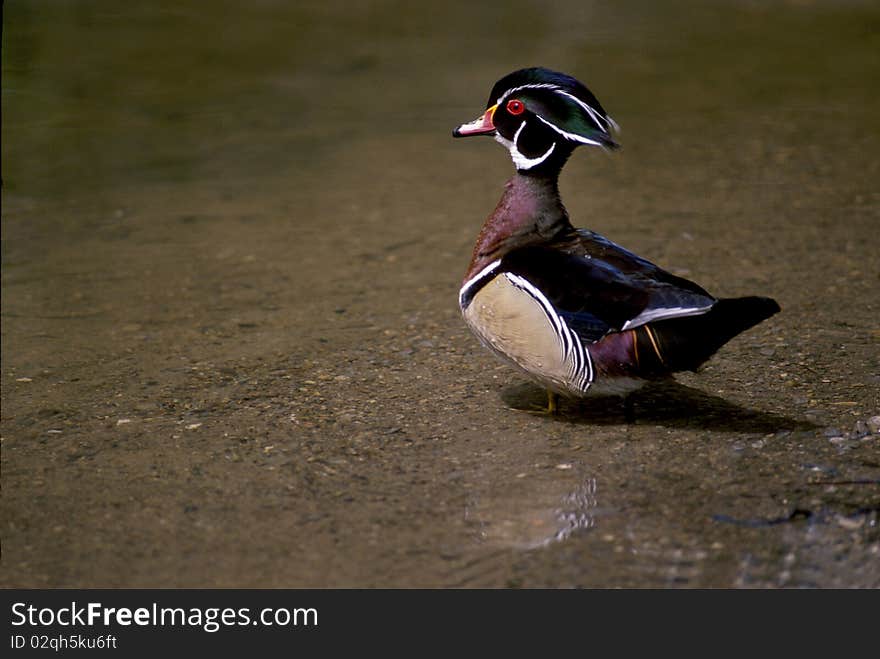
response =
{"points": [[582, 373], [473, 280], [524, 284], [573, 349], [585, 369], [661, 314]]}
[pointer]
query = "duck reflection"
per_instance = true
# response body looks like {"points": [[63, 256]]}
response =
{"points": [[576, 513], [545, 520]]}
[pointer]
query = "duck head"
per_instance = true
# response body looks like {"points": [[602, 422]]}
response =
{"points": [[541, 116]]}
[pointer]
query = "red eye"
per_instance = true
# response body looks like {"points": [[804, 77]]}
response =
{"points": [[515, 107]]}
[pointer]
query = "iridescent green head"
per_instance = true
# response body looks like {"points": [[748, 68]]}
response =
{"points": [[541, 116]]}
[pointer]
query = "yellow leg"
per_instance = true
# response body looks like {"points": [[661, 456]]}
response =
{"points": [[552, 402], [552, 408]]}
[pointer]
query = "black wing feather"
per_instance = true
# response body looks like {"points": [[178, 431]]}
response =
{"points": [[597, 287]]}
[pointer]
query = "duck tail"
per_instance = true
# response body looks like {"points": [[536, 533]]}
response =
{"points": [[683, 344]]}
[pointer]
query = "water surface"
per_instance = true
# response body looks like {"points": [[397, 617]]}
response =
{"points": [[232, 243]]}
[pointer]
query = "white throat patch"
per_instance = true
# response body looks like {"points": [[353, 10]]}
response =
{"points": [[521, 162]]}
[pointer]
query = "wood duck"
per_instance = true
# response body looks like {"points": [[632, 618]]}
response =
{"points": [[575, 312]]}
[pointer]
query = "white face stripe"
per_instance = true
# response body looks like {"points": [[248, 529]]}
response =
{"points": [[566, 134], [595, 116], [524, 163], [604, 123], [518, 131], [537, 85], [519, 159]]}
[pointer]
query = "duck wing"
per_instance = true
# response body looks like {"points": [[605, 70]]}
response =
{"points": [[598, 287]]}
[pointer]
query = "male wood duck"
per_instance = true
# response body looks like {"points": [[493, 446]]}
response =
{"points": [[575, 312]]}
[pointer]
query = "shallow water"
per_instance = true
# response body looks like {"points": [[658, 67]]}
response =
{"points": [[232, 243]]}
